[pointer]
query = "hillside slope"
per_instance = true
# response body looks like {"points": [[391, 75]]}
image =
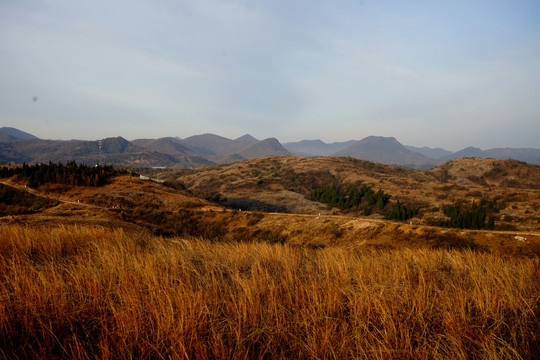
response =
{"points": [[284, 183], [490, 172]]}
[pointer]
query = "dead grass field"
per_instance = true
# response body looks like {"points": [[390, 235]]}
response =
{"points": [[84, 292]]}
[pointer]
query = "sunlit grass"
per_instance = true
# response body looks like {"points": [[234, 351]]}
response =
{"points": [[92, 292]]}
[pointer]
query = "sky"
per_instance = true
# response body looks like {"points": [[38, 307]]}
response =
{"points": [[434, 73]]}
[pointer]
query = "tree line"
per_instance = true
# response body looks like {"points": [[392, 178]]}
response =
{"points": [[68, 174], [363, 197], [478, 216], [400, 212]]}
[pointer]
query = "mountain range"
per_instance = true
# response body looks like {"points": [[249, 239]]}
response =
{"points": [[17, 146], [389, 151]]}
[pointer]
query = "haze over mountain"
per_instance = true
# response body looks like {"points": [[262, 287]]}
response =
{"points": [[211, 149], [221, 149], [111, 150], [434, 153], [316, 147], [270, 146], [529, 155], [386, 150], [214, 145], [195, 151], [166, 145]]}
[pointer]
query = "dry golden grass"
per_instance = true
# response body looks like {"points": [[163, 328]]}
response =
{"points": [[90, 292]]}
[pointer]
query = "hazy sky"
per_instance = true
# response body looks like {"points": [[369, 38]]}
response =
{"points": [[436, 73]]}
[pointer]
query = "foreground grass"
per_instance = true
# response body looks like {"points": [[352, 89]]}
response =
{"points": [[90, 292]]}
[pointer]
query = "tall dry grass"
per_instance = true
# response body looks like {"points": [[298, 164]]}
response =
{"points": [[90, 292]]}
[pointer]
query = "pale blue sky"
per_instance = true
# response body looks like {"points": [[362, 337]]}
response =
{"points": [[435, 73]]}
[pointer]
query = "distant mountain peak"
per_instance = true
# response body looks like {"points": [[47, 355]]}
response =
{"points": [[17, 134], [380, 139], [266, 147], [472, 148], [207, 149], [247, 137], [386, 150]]}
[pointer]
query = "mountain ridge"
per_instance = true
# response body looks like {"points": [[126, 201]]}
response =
{"points": [[210, 149]]}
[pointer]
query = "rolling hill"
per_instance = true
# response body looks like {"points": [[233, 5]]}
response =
{"points": [[285, 184]]}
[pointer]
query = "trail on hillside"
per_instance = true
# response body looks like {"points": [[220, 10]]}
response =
{"points": [[49, 196]]}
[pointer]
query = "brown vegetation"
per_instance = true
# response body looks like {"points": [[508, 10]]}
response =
{"points": [[89, 292]]}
